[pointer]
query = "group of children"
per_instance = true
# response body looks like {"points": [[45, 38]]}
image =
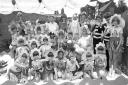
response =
{"points": [[40, 54], [43, 55]]}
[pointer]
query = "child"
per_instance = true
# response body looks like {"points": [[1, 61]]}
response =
{"points": [[88, 62], [36, 64], [85, 40], [20, 67], [72, 66], [61, 39], [21, 46], [60, 65], [45, 46], [33, 44], [13, 29], [38, 33], [100, 58], [49, 65]]}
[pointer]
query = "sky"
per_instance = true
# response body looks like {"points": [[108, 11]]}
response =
{"points": [[47, 6]]}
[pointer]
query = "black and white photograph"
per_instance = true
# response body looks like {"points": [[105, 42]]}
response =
{"points": [[63, 42]]}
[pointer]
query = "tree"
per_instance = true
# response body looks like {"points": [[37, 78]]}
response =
{"points": [[121, 7]]}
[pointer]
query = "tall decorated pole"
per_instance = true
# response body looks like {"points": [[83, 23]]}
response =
{"points": [[97, 9]]}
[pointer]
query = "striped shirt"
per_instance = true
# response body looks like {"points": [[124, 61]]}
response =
{"points": [[98, 30]]}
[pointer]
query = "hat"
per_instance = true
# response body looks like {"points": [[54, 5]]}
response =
{"points": [[100, 47], [12, 27], [24, 54], [33, 42], [21, 40], [35, 52]]}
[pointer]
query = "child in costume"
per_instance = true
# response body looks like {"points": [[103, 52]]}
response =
{"points": [[36, 64], [72, 66], [49, 64], [33, 43], [100, 58], [21, 46], [13, 29], [88, 62], [20, 67], [38, 33], [60, 65], [61, 39], [46, 45]]}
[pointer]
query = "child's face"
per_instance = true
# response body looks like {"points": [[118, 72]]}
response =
{"points": [[70, 36], [84, 33], [39, 32], [76, 36], [14, 31], [60, 55], [34, 46], [45, 41]]}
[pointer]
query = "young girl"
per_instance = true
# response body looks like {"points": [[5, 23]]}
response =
{"points": [[88, 62], [20, 67], [100, 58], [21, 46], [116, 40], [33, 44], [36, 64], [49, 65], [60, 65], [13, 29], [72, 66], [45, 46]]}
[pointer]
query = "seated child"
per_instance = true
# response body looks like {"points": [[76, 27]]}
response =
{"points": [[72, 66], [21, 66], [60, 65], [88, 62], [36, 64], [100, 58], [33, 44], [49, 65]]}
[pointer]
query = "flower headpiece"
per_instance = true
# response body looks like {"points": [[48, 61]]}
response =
{"points": [[33, 41], [21, 40], [35, 52], [100, 48]]}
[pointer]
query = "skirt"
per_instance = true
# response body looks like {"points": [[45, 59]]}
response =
{"points": [[115, 55]]}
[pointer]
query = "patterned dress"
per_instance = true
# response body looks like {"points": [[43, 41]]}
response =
{"points": [[115, 55]]}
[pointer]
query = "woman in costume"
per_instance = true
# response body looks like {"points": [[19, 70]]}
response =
{"points": [[116, 40]]}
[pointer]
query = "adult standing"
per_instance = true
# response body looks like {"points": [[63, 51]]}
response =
{"points": [[97, 32], [116, 39], [52, 25]]}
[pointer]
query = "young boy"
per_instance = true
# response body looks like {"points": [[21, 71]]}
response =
{"points": [[60, 65]]}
